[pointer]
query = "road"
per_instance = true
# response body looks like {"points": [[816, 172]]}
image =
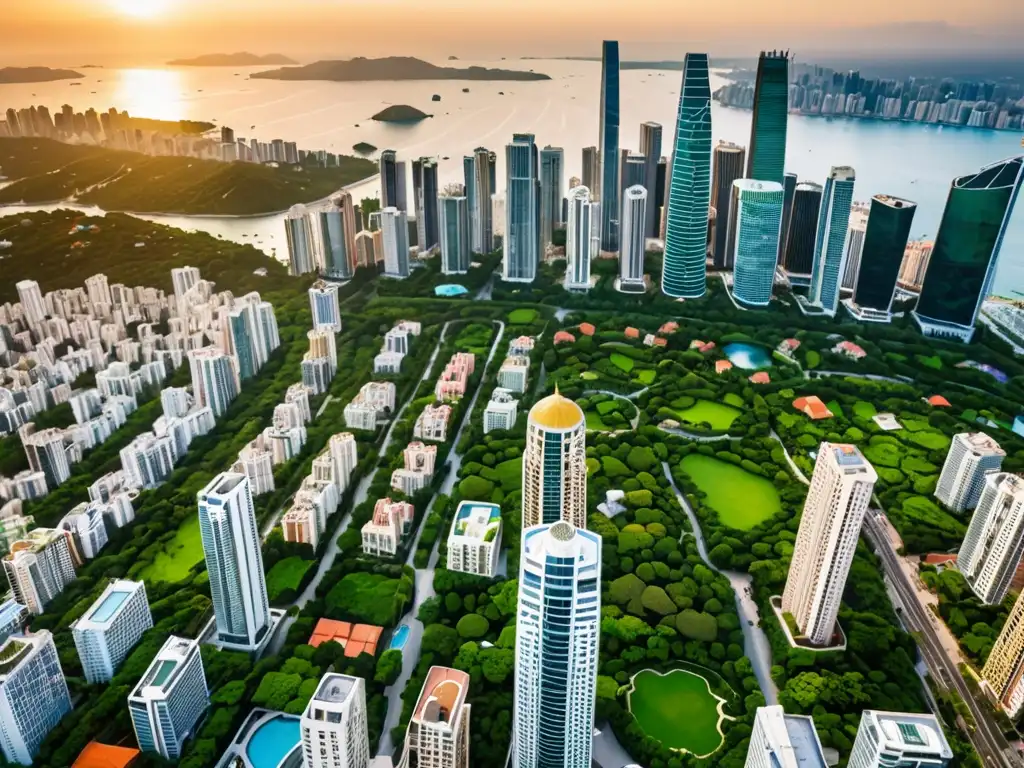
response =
{"points": [[987, 738], [789, 460]]}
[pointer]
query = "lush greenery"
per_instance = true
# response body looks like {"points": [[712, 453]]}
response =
{"points": [[657, 700], [742, 499]]}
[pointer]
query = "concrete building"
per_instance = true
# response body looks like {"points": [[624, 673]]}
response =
{"points": [[394, 227], [784, 741], [454, 232], [994, 542], [474, 543], [39, 566], [899, 740], [298, 230], [633, 240], [391, 521], [650, 148], [830, 244], [501, 411], [336, 229], [148, 460], [438, 732], [484, 187], [727, 164], [333, 725], [552, 168], [424, 191], [971, 456], [514, 373], [344, 458], [323, 302], [582, 243], [111, 627], [432, 423], [555, 463], [1003, 673], [215, 379]]}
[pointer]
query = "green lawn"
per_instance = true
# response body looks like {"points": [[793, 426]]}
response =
{"points": [[646, 376], [731, 398], [177, 559], [510, 474], [622, 362], [589, 376], [286, 574], [522, 316], [718, 415], [677, 709], [933, 441], [863, 410], [934, 361], [606, 406], [595, 422], [742, 499]]}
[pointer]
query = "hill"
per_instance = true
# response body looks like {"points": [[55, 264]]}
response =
{"points": [[243, 59], [11, 75], [399, 113], [392, 68]]}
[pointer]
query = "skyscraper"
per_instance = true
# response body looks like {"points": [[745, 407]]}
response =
{"points": [[425, 190], [336, 227], [111, 627], [789, 185], [333, 725], [783, 741], [484, 163], [33, 694], [631, 252], [38, 567], [394, 227], [994, 542], [580, 245], [555, 463], [830, 240], [392, 181], [470, 187], [798, 258], [963, 261], [839, 495], [755, 218], [766, 158], [31, 299], [971, 456], [854, 244], [650, 148], [632, 170], [592, 170], [182, 278], [689, 191], [298, 231], [557, 632], [899, 740], [522, 247], [215, 379], [885, 243], [438, 732], [45, 453], [323, 303], [660, 196], [609, 146], [552, 160], [727, 167], [453, 208], [1003, 673], [234, 562]]}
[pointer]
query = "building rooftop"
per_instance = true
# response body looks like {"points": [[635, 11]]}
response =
{"points": [[443, 694], [473, 519], [227, 482], [335, 689], [848, 455], [917, 733], [354, 638], [979, 442], [160, 673], [96, 755], [556, 412], [12, 652], [803, 737], [109, 602]]}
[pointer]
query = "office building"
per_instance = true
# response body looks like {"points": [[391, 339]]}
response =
{"points": [[33, 694], [650, 148], [727, 166], [484, 178], [555, 463], [581, 244], [608, 157], [557, 633], [885, 242], [632, 170], [323, 303], [552, 162], [170, 699], [689, 189], [234, 562], [521, 243], [456, 240], [766, 157], [474, 543], [38, 567], [111, 627], [394, 227], [854, 244], [31, 299], [333, 725], [784, 741], [992, 547], [830, 240], [633, 242], [966, 252], [755, 221], [215, 379], [798, 256], [425, 190], [899, 740], [789, 187], [392, 181], [591, 170], [336, 229], [839, 495], [298, 230], [971, 456], [438, 732]]}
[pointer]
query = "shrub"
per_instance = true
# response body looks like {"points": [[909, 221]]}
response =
{"points": [[472, 626]]}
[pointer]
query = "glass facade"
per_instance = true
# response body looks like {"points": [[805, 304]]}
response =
{"points": [[689, 191], [551, 194], [758, 211], [522, 227], [455, 234], [830, 240], [798, 256], [609, 140], [885, 242], [766, 158]]}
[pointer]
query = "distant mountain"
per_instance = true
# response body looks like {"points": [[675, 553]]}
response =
{"points": [[36, 74], [243, 59], [392, 68]]}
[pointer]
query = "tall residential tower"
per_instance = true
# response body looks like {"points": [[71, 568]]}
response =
{"points": [[555, 463]]}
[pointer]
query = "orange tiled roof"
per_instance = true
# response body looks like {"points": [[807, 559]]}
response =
{"points": [[562, 336], [96, 755], [721, 366], [587, 329], [660, 342], [355, 638], [670, 327], [938, 401], [812, 407], [632, 333], [760, 378]]}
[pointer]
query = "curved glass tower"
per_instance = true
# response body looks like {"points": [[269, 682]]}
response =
{"points": [[757, 212], [689, 192], [885, 242], [608, 193], [766, 158]]}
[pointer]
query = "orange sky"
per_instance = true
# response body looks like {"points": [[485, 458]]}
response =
{"points": [[62, 32]]}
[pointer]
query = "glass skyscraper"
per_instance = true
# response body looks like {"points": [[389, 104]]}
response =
{"points": [[756, 211], [766, 157], [798, 254], [336, 225], [631, 251], [392, 180], [885, 242], [522, 210], [609, 146], [966, 251], [830, 240], [470, 186], [484, 182], [689, 191], [580, 244], [650, 148], [425, 189], [455, 240], [552, 161], [729, 160]]}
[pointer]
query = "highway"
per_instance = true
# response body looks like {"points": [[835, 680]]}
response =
{"points": [[987, 738]]}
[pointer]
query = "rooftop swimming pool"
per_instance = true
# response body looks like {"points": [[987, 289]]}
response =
{"points": [[108, 607], [271, 742], [400, 637]]}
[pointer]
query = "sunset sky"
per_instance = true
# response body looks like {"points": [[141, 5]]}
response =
{"points": [[62, 32]]}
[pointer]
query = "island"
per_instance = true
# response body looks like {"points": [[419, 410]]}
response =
{"points": [[243, 59], [391, 68], [400, 113], [12, 75], [363, 148], [436, 97]]}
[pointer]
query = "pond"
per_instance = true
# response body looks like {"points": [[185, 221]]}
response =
{"points": [[750, 357]]}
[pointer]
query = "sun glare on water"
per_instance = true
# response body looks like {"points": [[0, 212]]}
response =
{"points": [[141, 9]]}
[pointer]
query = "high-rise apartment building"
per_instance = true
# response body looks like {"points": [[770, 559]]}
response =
{"points": [[552, 164], [557, 633], [633, 241], [31, 299], [885, 243], [39, 566], [581, 245], [784, 741], [425, 190], [839, 495], [215, 379], [766, 158], [966, 252], [111, 627], [789, 182], [392, 181], [1003, 673], [333, 725], [798, 255], [336, 227], [484, 174], [522, 246], [555, 463], [855, 233], [33, 694], [170, 699], [755, 220], [46, 453], [970, 457], [455, 231], [727, 166], [650, 148], [234, 561], [148, 460], [592, 170], [474, 542], [608, 158], [182, 278], [394, 227], [689, 189], [899, 740], [298, 231], [323, 303], [438, 732], [830, 241], [994, 542]]}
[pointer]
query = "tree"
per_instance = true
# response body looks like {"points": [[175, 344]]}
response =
{"points": [[389, 666], [696, 625], [472, 626], [441, 640], [654, 599]]}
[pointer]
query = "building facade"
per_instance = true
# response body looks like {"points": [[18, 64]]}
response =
{"points": [[474, 543], [111, 627], [438, 732], [899, 740], [425, 190], [552, 165], [633, 243], [394, 227], [608, 156], [333, 725], [885, 243], [994, 542], [455, 233], [970, 457], [830, 240], [727, 166], [783, 741], [521, 241], [555, 463], [581, 245], [323, 303], [650, 148], [766, 158], [755, 216], [39, 566], [484, 175]]}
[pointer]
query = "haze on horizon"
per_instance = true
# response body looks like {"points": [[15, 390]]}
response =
{"points": [[149, 32]]}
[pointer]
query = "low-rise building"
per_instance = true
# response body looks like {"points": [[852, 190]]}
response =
{"points": [[514, 373], [390, 523], [453, 381], [333, 725], [501, 412], [438, 732], [432, 423], [374, 403], [474, 542]]}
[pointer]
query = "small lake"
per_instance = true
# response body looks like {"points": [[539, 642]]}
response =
{"points": [[750, 357]]}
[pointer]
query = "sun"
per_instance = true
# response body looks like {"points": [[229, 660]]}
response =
{"points": [[141, 9]]}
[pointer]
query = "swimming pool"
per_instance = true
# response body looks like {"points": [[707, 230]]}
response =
{"points": [[272, 741], [400, 637], [748, 356]]}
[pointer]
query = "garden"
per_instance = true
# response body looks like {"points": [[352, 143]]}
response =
{"points": [[742, 499], [658, 699]]}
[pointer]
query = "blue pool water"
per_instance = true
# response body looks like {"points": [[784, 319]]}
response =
{"points": [[748, 356], [272, 741], [399, 638]]}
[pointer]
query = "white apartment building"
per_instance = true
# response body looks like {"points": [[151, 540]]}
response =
{"points": [[899, 740], [418, 470], [257, 463], [784, 741], [390, 523], [39, 566], [438, 732], [170, 698], [111, 627], [994, 542], [88, 532], [334, 730], [971, 455], [323, 302], [301, 525], [474, 543], [33, 694], [501, 412], [514, 373], [839, 495], [298, 395], [376, 399], [388, 362], [432, 423], [215, 379], [148, 460], [344, 458], [316, 373], [1001, 674], [322, 344]]}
